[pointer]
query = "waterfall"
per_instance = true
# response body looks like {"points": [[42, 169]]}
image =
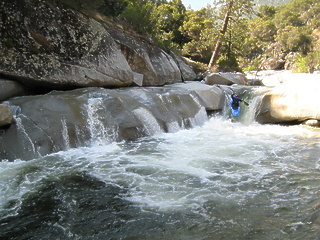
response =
{"points": [[65, 134], [201, 117], [24, 135], [95, 125], [253, 108], [248, 113], [150, 123], [100, 132]]}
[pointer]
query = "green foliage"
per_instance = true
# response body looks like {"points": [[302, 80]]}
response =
{"points": [[292, 27], [254, 65], [83, 5], [264, 30], [266, 11], [301, 64], [271, 2], [113, 7], [8, 42], [286, 18], [138, 15], [313, 61], [228, 63], [34, 50], [295, 39], [200, 33], [168, 19]]}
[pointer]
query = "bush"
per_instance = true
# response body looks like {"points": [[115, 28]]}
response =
{"points": [[301, 65]]}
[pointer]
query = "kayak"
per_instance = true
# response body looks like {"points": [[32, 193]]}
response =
{"points": [[235, 112]]}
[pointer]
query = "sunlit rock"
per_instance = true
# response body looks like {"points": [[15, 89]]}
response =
{"points": [[293, 101], [226, 79], [211, 97], [6, 117], [312, 123], [273, 64]]}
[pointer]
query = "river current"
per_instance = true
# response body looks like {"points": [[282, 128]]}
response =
{"points": [[224, 179]]}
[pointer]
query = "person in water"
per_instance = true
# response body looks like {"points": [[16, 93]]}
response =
{"points": [[235, 101]]}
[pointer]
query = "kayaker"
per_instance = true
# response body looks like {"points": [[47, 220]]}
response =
{"points": [[235, 101]]}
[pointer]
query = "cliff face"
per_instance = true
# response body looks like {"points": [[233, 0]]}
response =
{"points": [[45, 44]]}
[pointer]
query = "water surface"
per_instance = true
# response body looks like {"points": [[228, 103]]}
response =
{"points": [[223, 180]]}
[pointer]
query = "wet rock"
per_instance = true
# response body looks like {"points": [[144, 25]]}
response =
{"points": [[59, 120]]}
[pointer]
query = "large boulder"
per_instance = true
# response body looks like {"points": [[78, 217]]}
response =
{"points": [[153, 65], [46, 44], [60, 120], [293, 101], [187, 72], [226, 79], [211, 97], [273, 64]]}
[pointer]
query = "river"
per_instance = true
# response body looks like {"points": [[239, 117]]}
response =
{"points": [[224, 179]]}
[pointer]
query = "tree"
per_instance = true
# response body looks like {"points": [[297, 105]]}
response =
{"points": [[83, 5], [199, 31], [138, 14], [114, 7], [233, 10], [266, 11], [295, 39], [168, 19]]}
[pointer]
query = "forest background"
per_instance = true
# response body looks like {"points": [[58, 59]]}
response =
{"points": [[286, 31]]}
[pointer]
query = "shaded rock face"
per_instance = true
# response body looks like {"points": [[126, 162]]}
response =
{"points": [[61, 120], [10, 89], [48, 45], [155, 66], [273, 64], [55, 46], [291, 102]]}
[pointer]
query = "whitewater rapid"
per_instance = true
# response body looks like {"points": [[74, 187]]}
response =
{"points": [[221, 180]]}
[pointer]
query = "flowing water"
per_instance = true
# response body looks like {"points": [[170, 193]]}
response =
{"points": [[224, 179]]}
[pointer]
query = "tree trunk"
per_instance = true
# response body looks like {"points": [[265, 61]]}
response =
{"points": [[217, 48]]}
